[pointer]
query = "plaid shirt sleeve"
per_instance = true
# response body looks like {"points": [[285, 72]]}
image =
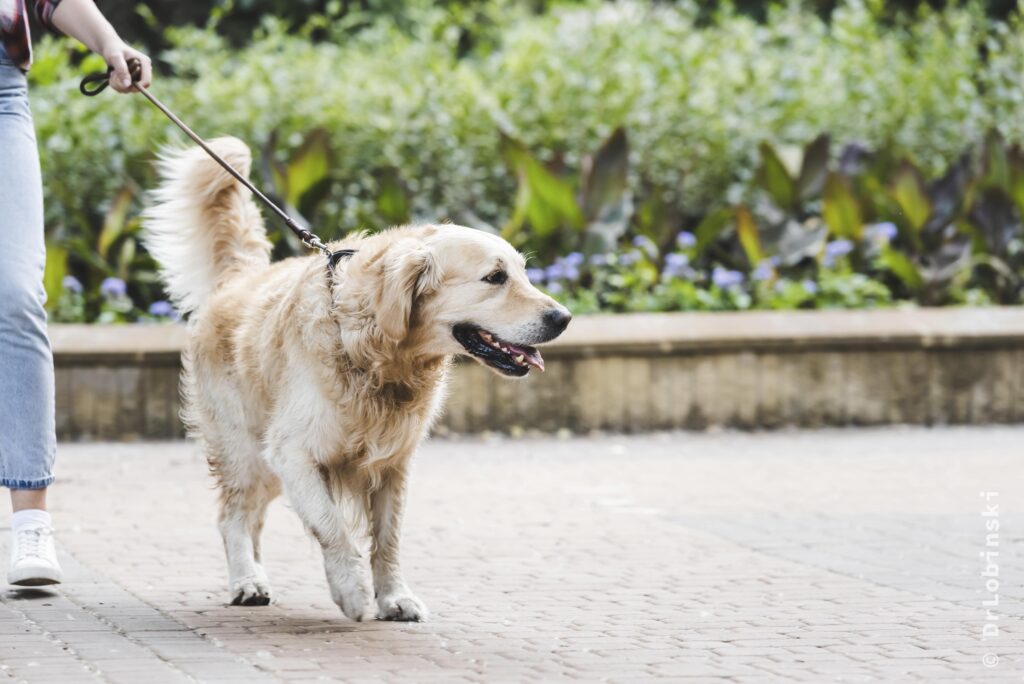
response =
{"points": [[44, 10], [14, 33]]}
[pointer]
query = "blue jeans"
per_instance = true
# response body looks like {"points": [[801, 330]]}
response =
{"points": [[27, 431]]}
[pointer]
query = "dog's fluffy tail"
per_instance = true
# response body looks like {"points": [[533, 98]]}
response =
{"points": [[203, 225]]}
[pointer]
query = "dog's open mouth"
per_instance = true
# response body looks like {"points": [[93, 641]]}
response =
{"points": [[506, 357]]}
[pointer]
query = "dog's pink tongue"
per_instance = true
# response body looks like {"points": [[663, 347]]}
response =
{"points": [[530, 355]]}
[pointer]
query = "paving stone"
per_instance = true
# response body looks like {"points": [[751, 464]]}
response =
{"points": [[845, 556]]}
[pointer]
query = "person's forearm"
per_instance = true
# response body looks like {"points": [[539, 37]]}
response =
{"points": [[81, 19]]}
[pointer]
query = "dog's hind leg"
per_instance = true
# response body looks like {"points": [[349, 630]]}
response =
{"points": [[308, 488], [394, 599], [216, 410], [242, 512]]}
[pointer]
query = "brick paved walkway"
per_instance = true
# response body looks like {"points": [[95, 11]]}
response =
{"points": [[817, 556]]}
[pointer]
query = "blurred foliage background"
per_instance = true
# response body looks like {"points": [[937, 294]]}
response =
{"points": [[648, 155]]}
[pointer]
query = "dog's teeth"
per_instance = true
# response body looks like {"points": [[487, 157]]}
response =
{"points": [[520, 359]]}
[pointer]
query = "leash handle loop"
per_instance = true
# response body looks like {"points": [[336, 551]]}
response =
{"points": [[95, 83]]}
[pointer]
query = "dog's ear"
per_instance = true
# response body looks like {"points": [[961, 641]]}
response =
{"points": [[408, 274]]}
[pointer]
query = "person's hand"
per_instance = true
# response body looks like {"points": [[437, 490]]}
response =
{"points": [[117, 55]]}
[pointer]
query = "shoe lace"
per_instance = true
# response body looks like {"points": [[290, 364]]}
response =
{"points": [[32, 541]]}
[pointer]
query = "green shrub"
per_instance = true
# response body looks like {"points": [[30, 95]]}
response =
{"points": [[414, 122]]}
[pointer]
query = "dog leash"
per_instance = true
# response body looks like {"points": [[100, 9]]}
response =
{"points": [[95, 83]]}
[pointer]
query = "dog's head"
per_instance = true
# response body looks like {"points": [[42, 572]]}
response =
{"points": [[454, 290]]}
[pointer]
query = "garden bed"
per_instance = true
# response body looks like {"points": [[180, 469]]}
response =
{"points": [[648, 156], [637, 372]]}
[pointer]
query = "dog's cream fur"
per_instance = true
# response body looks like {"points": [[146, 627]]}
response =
{"points": [[321, 391]]}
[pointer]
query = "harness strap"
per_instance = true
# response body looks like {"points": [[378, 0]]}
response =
{"points": [[336, 256]]}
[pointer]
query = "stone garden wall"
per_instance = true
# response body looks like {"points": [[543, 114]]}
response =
{"points": [[633, 373]]}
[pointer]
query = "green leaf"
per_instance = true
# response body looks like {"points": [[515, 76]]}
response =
{"points": [[798, 242], [746, 229], [55, 270], [710, 228], [607, 200], [947, 197], [543, 200], [814, 168], [910, 194], [393, 198], [997, 166], [656, 218], [520, 210], [1015, 159], [943, 265], [775, 179], [902, 267], [874, 198], [840, 209], [125, 259], [85, 252], [603, 234], [308, 165], [114, 222], [997, 218], [605, 177]]}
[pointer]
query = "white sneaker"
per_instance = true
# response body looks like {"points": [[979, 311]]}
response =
{"points": [[33, 556]]}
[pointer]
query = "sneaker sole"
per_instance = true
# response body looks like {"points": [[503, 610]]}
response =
{"points": [[35, 582]]}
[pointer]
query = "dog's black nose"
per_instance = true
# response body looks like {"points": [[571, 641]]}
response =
{"points": [[557, 320]]}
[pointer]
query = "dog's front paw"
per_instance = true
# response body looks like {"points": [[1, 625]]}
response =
{"points": [[250, 591], [355, 598], [401, 606]]}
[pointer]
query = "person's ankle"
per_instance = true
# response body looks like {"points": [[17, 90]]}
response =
{"points": [[30, 516]]}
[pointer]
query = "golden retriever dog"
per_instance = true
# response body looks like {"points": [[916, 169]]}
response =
{"points": [[322, 387]]}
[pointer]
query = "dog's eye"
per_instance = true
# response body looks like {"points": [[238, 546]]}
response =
{"points": [[497, 278]]}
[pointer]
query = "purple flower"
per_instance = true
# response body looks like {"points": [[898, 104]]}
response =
{"points": [[676, 259], [810, 287], [677, 266], [72, 284], [836, 249], [555, 288], [599, 260], [562, 269], [113, 288], [645, 243], [161, 309], [686, 239], [574, 258], [764, 271], [629, 258], [724, 278], [882, 232], [536, 275]]}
